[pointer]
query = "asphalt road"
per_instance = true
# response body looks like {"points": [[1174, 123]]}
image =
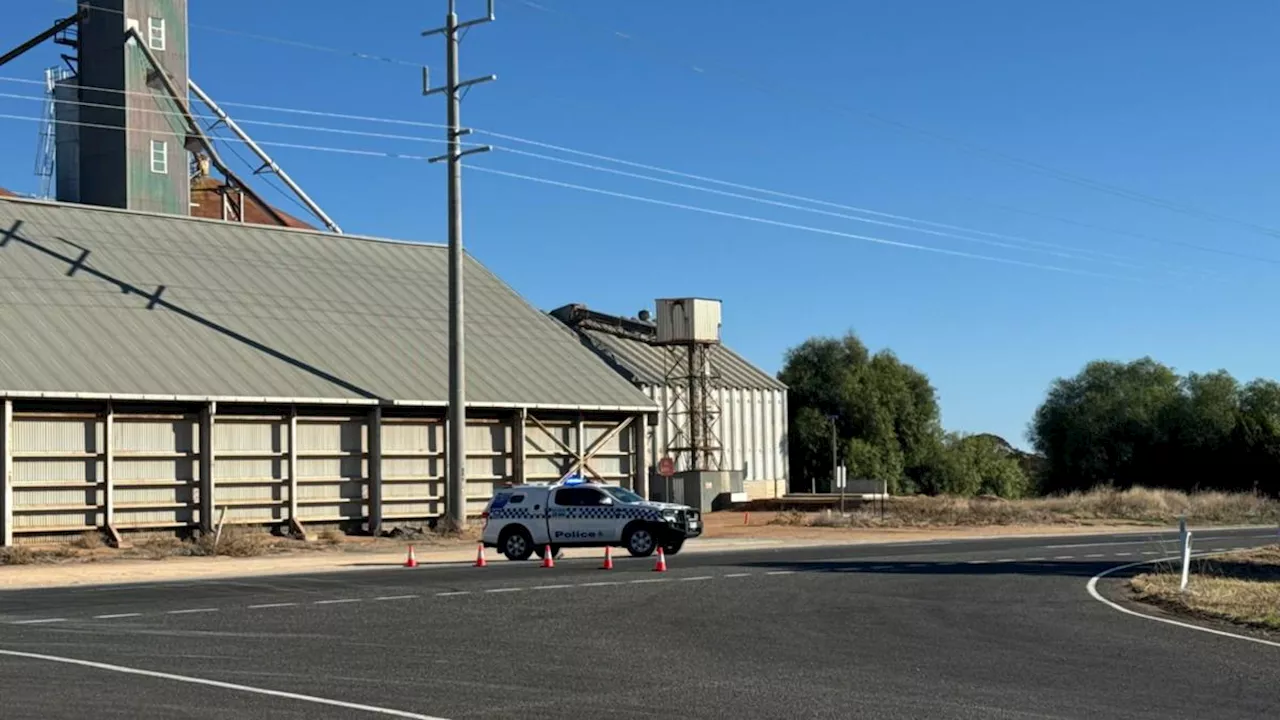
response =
{"points": [[1000, 628]]}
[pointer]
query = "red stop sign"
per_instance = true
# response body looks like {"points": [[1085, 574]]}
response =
{"points": [[666, 467]]}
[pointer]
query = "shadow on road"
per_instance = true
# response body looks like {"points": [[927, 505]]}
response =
{"points": [[1050, 568]]}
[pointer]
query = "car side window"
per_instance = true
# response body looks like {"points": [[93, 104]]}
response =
{"points": [[593, 498], [568, 497], [517, 499]]}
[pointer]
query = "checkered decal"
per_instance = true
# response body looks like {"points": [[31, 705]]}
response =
{"points": [[511, 512], [605, 512]]}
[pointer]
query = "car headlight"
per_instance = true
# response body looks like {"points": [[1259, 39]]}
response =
{"points": [[669, 517]]}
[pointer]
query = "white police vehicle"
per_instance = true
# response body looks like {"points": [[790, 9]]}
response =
{"points": [[524, 519]]}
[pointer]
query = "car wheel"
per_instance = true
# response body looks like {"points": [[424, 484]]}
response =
{"points": [[671, 547], [640, 541], [516, 544]]}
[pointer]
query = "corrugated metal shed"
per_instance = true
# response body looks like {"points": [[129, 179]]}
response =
{"points": [[97, 302]]}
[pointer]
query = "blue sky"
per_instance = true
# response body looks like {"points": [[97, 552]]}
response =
{"points": [[1169, 99]]}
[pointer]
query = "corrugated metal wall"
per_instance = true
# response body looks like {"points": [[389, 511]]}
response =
{"points": [[752, 429], [62, 469]]}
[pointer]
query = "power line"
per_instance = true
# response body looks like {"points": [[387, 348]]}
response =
{"points": [[795, 226], [1118, 260], [652, 201], [667, 54]]}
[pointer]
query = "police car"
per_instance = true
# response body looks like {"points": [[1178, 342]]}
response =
{"points": [[524, 519]]}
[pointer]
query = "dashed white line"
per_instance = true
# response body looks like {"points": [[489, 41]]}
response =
{"points": [[116, 616], [1036, 559], [385, 598], [38, 622], [551, 587], [646, 580], [780, 572], [977, 562], [504, 590], [271, 605], [454, 593], [191, 611], [697, 577], [340, 601], [731, 575], [1096, 555], [1123, 554], [602, 583], [1064, 557], [1006, 560]]}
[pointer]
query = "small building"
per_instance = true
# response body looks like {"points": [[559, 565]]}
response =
{"points": [[157, 371], [750, 404]]}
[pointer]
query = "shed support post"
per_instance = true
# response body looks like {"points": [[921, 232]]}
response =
{"points": [[6, 473], [207, 503], [518, 470], [296, 527], [640, 457], [374, 461], [109, 476]]}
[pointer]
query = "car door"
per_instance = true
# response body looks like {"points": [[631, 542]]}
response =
{"points": [[581, 515]]}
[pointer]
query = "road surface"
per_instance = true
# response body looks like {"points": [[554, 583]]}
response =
{"points": [[1000, 628]]}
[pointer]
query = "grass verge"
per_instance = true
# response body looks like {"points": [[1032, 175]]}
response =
{"points": [[1137, 505], [1240, 587]]}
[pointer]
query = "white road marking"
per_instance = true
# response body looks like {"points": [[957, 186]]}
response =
{"points": [[697, 577], [1127, 554], [1096, 555], [504, 590], [977, 562], [395, 597], [336, 602], [116, 616], [1006, 560], [646, 580], [1064, 557], [223, 685], [1092, 586], [738, 575], [271, 605], [780, 572], [451, 594], [1037, 559], [38, 622], [1150, 552], [192, 610], [602, 583], [551, 587]]}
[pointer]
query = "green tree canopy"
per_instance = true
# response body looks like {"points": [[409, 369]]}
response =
{"points": [[1140, 423], [886, 406]]}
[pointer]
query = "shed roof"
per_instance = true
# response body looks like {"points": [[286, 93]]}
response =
{"points": [[628, 345], [98, 302]]}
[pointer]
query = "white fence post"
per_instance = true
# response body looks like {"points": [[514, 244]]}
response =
{"points": [[1186, 560]]}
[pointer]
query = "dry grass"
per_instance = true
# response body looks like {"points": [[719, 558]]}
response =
{"points": [[237, 542], [17, 555], [332, 536], [89, 540], [1138, 505], [1241, 587]]}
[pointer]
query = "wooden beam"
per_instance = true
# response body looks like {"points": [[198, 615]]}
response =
{"points": [[518, 458], [374, 462], [207, 485]]}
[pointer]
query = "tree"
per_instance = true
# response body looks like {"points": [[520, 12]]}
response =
{"points": [[975, 465], [887, 405], [1139, 423]]}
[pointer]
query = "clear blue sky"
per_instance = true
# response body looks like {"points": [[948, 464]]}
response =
{"points": [[1171, 98]]}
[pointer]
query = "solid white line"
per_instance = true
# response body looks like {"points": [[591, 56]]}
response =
{"points": [[1093, 590], [395, 597], [504, 590], [192, 610], [117, 615], [219, 684], [38, 622], [738, 575], [271, 605], [336, 602]]}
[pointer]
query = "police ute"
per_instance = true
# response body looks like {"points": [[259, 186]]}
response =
{"points": [[523, 519]]}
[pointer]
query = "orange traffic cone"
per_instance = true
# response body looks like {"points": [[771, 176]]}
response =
{"points": [[548, 559], [411, 561], [662, 562], [608, 558], [480, 561]]}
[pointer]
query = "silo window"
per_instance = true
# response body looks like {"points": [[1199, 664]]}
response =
{"points": [[159, 157], [155, 33]]}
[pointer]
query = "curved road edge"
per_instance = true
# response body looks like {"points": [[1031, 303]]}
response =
{"points": [[1092, 586]]}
